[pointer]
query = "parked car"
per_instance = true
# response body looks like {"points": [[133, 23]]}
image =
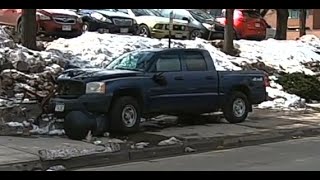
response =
{"points": [[108, 20], [149, 82], [50, 22], [248, 24], [151, 24], [204, 24]]}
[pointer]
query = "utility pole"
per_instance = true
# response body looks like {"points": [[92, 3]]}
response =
{"points": [[170, 27]]}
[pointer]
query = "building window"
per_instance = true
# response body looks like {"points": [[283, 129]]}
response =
{"points": [[295, 13]]}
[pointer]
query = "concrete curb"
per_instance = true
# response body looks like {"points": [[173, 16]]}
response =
{"points": [[201, 145]]}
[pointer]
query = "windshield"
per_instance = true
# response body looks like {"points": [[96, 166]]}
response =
{"points": [[131, 61], [142, 12], [200, 16]]}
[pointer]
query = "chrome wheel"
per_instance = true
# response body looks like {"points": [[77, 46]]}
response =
{"points": [[239, 108], [143, 31], [129, 116]]}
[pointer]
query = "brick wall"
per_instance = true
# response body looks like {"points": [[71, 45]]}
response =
{"points": [[313, 20]]}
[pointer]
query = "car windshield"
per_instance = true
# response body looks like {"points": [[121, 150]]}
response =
{"points": [[200, 16], [143, 12], [131, 61]]}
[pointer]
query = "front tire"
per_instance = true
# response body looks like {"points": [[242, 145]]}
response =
{"points": [[144, 31], [125, 115], [236, 108], [195, 34]]}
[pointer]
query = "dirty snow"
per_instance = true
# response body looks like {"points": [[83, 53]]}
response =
{"points": [[170, 141]]}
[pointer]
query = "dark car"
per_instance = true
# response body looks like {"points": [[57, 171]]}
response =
{"points": [[203, 23], [150, 82], [107, 20]]}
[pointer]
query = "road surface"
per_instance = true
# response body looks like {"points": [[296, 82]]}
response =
{"points": [[293, 155]]}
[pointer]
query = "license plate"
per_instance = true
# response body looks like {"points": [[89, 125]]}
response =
{"points": [[179, 35], [66, 28], [124, 30], [257, 25], [59, 108]]}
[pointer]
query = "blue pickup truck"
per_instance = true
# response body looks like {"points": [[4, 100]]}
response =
{"points": [[150, 82]]}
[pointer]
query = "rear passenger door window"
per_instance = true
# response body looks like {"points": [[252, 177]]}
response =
{"points": [[168, 63], [195, 61]]}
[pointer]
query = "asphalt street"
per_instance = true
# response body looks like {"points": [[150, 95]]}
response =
{"points": [[294, 155]]}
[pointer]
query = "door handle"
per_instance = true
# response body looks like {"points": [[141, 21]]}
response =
{"points": [[209, 77], [178, 78]]}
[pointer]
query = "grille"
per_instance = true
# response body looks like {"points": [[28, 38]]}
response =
{"points": [[71, 88], [64, 20], [122, 22]]}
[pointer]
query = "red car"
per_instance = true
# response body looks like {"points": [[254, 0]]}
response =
{"points": [[248, 24], [51, 22]]}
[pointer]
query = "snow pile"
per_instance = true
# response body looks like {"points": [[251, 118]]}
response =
{"points": [[285, 56], [96, 50], [311, 40]]}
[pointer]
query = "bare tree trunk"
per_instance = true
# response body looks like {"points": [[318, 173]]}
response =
{"points": [[29, 28], [229, 32], [264, 12], [282, 24], [302, 22]]}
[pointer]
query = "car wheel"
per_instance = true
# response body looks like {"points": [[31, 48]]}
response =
{"points": [[195, 34], [86, 27], [19, 28], [236, 108], [125, 115], [144, 31], [77, 125]]}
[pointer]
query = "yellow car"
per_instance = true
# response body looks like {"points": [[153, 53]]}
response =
{"points": [[152, 25]]}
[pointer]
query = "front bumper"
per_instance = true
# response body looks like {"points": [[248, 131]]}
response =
{"points": [[111, 28], [93, 103], [51, 28], [159, 34]]}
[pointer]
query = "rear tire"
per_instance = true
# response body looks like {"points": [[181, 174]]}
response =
{"points": [[236, 108], [125, 115], [86, 27]]}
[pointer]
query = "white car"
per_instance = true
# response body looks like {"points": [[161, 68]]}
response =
{"points": [[152, 24]]}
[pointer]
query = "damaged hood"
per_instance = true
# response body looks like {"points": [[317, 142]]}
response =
{"points": [[95, 74]]}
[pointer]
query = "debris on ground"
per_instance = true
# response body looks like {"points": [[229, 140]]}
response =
{"points": [[189, 150], [171, 141], [140, 145], [57, 168], [67, 152]]}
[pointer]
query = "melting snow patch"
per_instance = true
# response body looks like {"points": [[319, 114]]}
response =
{"points": [[170, 141]]}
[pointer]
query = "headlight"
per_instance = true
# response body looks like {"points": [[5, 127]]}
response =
{"points": [[100, 17], [79, 20], [135, 22], [95, 87], [208, 26], [42, 17], [158, 26]]}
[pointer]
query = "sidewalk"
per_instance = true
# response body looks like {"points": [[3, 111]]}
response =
{"points": [[19, 153]]}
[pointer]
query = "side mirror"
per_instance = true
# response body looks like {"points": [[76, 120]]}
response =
{"points": [[186, 19], [160, 79]]}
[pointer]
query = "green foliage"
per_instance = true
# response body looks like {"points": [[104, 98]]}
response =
{"points": [[305, 86]]}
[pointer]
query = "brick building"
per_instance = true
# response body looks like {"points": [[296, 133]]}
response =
{"points": [[313, 18]]}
